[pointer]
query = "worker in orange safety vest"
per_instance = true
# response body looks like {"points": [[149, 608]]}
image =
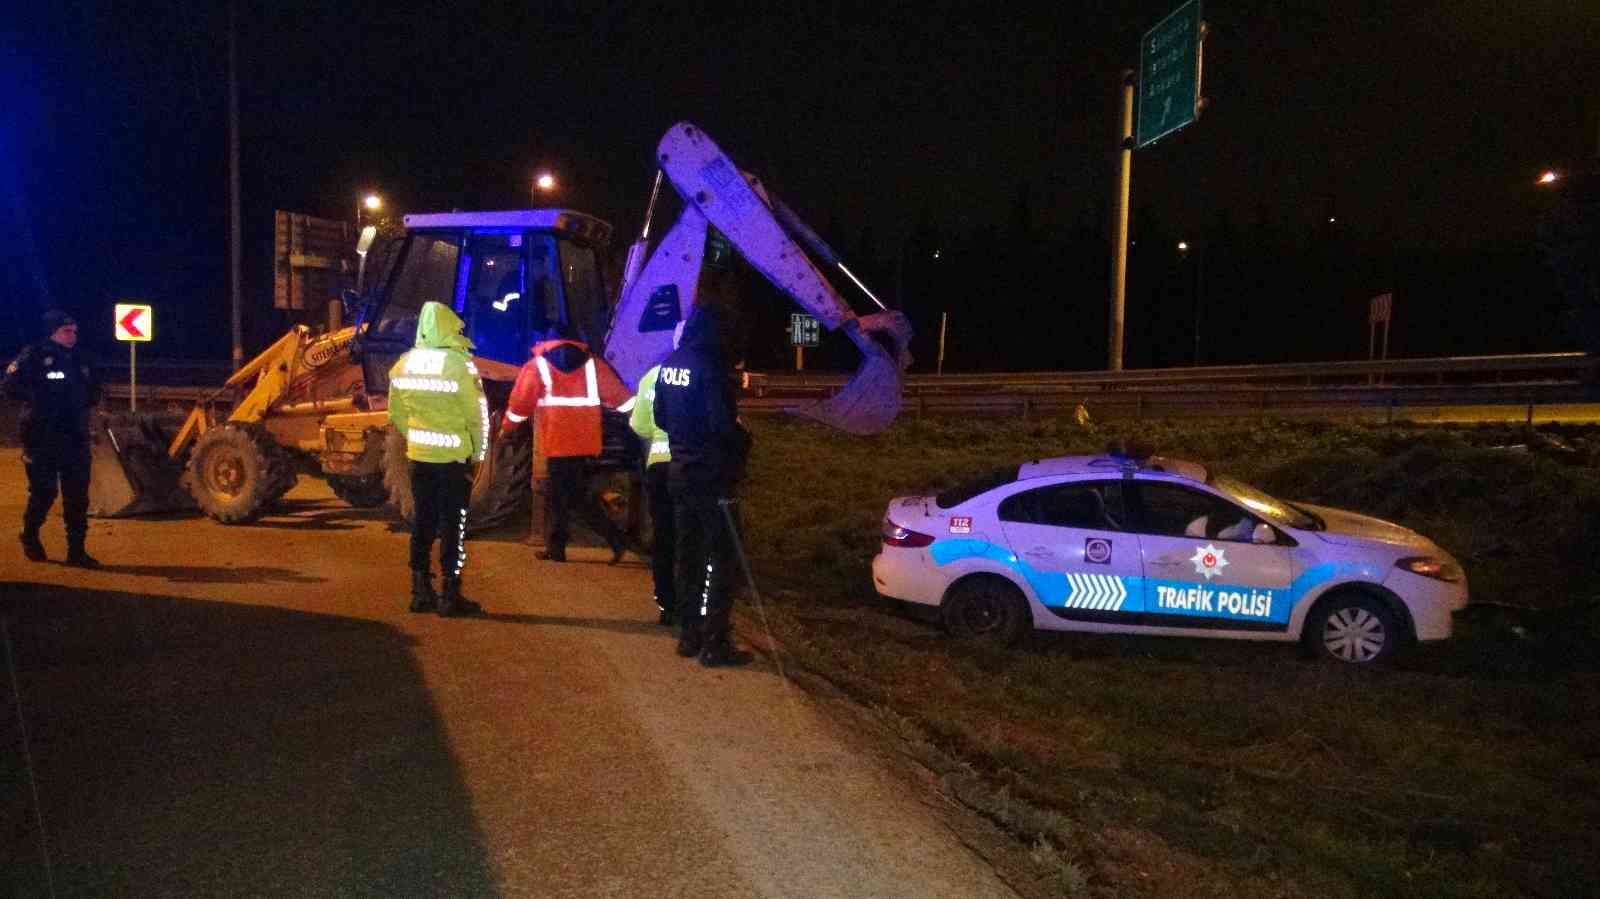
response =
{"points": [[562, 388]]}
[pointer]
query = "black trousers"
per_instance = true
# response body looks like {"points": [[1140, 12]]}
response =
{"points": [[569, 493], [63, 462], [705, 563], [440, 491], [659, 495]]}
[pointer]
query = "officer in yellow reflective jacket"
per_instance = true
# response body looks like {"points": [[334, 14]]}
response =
{"points": [[436, 402], [643, 421]]}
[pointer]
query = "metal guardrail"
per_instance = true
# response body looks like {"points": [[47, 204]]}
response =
{"points": [[1522, 368], [1395, 389]]}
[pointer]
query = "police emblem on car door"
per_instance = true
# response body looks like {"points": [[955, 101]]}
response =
{"points": [[1072, 549], [1208, 563]]}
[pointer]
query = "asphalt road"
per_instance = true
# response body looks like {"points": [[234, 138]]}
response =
{"points": [[251, 711]]}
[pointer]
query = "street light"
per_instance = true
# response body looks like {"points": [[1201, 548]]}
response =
{"points": [[1550, 176], [371, 203], [544, 182]]}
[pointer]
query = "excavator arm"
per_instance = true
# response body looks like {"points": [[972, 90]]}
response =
{"points": [[659, 288]]}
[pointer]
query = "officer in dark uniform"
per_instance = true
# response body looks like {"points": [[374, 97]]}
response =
{"points": [[57, 384], [696, 405]]}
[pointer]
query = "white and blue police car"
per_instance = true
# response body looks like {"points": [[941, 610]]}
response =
{"points": [[1118, 544]]}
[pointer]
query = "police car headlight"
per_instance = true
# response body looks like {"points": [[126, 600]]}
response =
{"points": [[1431, 566]]}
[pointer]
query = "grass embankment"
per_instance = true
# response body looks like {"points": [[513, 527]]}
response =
{"points": [[1179, 767]]}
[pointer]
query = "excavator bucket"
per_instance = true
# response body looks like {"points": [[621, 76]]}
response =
{"points": [[764, 232], [870, 400], [133, 475]]}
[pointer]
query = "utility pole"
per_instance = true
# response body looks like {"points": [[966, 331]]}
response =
{"points": [[1199, 296], [234, 226], [1119, 273]]}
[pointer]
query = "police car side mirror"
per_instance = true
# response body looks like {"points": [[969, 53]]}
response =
{"points": [[1263, 534]]}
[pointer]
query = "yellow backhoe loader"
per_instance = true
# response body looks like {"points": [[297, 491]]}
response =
{"points": [[515, 278]]}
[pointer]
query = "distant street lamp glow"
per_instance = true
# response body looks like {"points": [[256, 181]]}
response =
{"points": [[1549, 177], [546, 181], [371, 203], [1183, 246]]}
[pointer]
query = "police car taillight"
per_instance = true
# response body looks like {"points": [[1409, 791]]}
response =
{"points": [[895, 535]]}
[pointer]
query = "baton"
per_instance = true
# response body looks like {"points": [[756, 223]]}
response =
{"points": [[755, 593], [738, 546]]}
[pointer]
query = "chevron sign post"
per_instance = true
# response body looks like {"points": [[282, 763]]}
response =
{"points": [[135, 324], [1097, 592]]}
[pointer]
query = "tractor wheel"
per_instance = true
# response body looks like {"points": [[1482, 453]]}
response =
{"points": [[397, 476], [501, 487], [284, 474], [504, 483], [236, 471], [365, 492]]}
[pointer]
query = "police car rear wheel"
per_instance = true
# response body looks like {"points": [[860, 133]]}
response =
{"points": [[1353, 629], [986, 608]]}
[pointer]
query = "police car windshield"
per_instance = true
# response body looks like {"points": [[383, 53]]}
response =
{"points": [[1272, 509], [985, 482]]}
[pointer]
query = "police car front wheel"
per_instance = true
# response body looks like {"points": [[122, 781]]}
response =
{"points": [[986, 607], [1354, 629]]}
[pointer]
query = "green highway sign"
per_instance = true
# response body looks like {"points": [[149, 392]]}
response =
{"points": [[1169, 75], [804, 330]]}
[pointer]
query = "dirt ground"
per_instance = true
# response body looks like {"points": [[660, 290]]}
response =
{"points": [[250, 710]]}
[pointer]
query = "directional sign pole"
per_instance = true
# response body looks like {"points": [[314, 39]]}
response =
{"points": [[944, 318], [133, 323], [1119, 272]]}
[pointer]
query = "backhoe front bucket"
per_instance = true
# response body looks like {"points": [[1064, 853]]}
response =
{"points": [[133, 475], [870, 400]]}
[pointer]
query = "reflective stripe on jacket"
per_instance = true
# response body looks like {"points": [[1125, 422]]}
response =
{"points": [[564, 403], [436, 398], [643, 419]]}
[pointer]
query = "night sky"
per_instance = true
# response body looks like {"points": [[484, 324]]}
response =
{"points": [[1416, 125]]}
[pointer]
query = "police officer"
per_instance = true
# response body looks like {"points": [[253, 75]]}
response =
{"points": [[436, 402], [57, 384], [642, 419], [695, 403]]}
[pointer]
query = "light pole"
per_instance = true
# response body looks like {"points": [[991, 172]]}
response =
{"points": [[1199, 290]]}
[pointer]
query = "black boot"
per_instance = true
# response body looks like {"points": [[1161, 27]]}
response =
{"points": [[721, 652], [78, 557], [452, 604], [553, 554], [31, 547], [689, 641], [423, 599]]}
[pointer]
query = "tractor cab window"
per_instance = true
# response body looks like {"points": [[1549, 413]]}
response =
{"points": [[509, 295], [427, 272], [587, 314]]}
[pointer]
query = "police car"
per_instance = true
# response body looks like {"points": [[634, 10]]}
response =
{"points": [[1119, 544]]}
